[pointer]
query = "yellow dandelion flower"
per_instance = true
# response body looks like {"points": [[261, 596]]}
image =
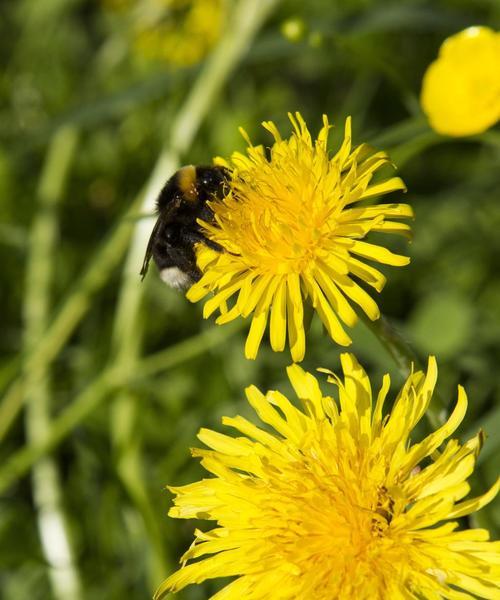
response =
{"points": [[338, 502], [291, 232], [461, 89]]}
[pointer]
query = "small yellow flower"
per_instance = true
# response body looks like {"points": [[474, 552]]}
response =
{"points": [[178, 32], [461, 89], [338, 502], [291, 232]]}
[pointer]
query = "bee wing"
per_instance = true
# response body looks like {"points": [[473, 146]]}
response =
{"points": [[164, 217], [149, 249]]}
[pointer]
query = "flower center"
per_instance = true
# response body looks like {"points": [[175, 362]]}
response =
{"points": [[280, 220]]}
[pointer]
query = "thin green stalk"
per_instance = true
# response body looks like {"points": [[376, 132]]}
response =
{"points": [[55, 535], [403, 150], [397, 347], [73, 309], [98, 391], [185, 350], [491, 138], [400, 132], [107, 257], [247, 18], [405, 359]]}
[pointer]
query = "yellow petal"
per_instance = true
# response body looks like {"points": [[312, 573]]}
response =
{"points": [[336, 298], [295, 316], [402, 211], [308, 391], [224, 443], [220, 298], [395, 228], [377, 253], [258, 289], [367, 273], [278, 317], [434, 440], [268, 414], [390, 185], [482, 588], [357, 387], [377, 412], [357, 294], [326, 314], [255, 334], [475, 504]]}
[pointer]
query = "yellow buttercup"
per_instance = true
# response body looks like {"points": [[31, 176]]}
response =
{"points": [[461, 89]]}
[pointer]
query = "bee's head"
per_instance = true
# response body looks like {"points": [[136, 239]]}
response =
{"points": [[210, 181]]}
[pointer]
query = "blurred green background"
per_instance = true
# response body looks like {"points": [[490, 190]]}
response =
{"points": [[105, 379]]}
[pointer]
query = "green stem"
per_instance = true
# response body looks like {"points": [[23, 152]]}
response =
{"points": [[405, 359], [246, 20], [100, 266], [73, 309], [404, 152], [408, 139], [97, 392], [400, 132], [55, 536], [185, 350], [397, 347]]}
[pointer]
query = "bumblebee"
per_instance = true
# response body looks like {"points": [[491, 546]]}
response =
{"points": [[181, 202]]}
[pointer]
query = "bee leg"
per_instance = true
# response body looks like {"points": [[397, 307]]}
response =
{"points": [[213, 245], [195, 237]]}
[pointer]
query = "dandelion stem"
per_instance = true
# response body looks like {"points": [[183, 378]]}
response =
{"points": [[55, 536], [405, 358], [398, 348]]}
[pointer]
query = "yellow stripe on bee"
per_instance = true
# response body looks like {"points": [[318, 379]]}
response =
{"points": [[186, 180]]}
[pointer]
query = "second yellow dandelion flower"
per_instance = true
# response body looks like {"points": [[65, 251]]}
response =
{"points": [[336, 499]]}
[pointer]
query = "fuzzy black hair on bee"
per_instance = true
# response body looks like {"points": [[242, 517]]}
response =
{"points": [[181, 202]]}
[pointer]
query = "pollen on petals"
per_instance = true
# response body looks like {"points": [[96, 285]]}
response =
{"points": [[293, 231], [332, 499]]}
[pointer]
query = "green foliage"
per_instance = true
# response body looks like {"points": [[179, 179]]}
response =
{"points": [[129, 370], [442, 324]]}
